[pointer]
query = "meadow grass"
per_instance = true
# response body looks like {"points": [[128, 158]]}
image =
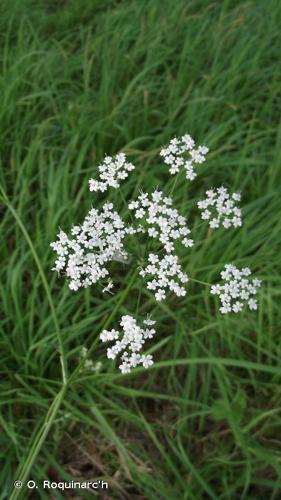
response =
{"points": [[83, 78]]}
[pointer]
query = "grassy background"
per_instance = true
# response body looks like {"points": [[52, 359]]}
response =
{"points": [[82, 78]]}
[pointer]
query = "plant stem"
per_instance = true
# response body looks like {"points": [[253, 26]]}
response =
{"points": [[38, 441], [201, 282], [175, 183]]}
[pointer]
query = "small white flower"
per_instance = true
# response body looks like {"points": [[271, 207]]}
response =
{"points": [[220, 208], [214, 223], [252, 303], [160, 295], [215, 289], [147, 360], [225, 308], [152, 232], [206, 214], [139, 213], [187, 242], [237, 306], [236, 291], [130, 341], [111, 171], [181, 153]]}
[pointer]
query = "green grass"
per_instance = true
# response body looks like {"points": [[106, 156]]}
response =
{"points": [[83, 78]]}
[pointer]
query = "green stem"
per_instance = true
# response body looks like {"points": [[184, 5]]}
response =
{"points": [[38, 441], [175, 183], [120, 193], [201, 282]]}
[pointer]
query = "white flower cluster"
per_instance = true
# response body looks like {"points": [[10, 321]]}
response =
{"points": [[167, 275], [220, 208], [165, 223], [130, 341], [237, 290], [96, 242], [181, 152], [112, 171]]}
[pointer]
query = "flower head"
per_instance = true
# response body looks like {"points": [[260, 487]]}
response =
{"points": [[182, 153], [164, 222], [165, 274], [99, 240], [129, 342], [220, 208], [237, 289], [112, 170]]}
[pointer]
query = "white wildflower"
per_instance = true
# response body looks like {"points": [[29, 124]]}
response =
{"points": [[220, 208], [182, 153], [95, 243], [164, 221], [253, 304], [111, 171], [130, 342], [237, 290], [165, 274]]}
